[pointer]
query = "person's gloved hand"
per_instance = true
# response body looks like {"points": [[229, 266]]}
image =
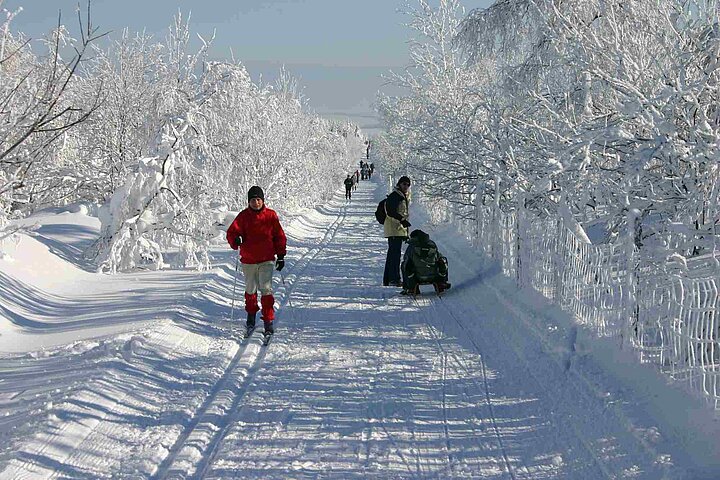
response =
{"points": [[238, 241], [405, 223], [280, 262]]}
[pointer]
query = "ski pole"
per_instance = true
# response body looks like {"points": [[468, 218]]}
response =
{"points": [[232, 309], [282, 277]]}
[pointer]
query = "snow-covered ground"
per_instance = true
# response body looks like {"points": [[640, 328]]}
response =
{"points": [[139, 376]]}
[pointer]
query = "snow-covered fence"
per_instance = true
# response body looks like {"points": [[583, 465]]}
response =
{"points": [[669, 320], [679, 319]]}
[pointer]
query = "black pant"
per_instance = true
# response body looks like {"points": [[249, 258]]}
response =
{"points": [[347, 192], [392, 260]]}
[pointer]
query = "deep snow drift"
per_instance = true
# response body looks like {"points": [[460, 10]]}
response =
{"points": [[141, 376]]}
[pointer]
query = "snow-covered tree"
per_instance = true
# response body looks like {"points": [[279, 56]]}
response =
{"points": [[38, 110], [434, 128], [219, 133], [596, 108], [166, 139]]}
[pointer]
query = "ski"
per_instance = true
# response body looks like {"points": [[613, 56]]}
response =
{"points": [[266, 339]]}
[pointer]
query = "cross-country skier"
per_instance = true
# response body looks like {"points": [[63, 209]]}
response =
{"points": [[257, 232], [348, 187]]}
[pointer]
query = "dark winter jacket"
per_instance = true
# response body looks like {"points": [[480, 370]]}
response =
{"points": [[421, 257], [348, 183], [262, 235]]}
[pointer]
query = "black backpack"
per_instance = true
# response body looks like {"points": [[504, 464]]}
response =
{"points": [[380, 213], [425, 260]]}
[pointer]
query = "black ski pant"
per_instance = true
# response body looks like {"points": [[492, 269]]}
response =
{"points": [[392, 261], [348, 193]]}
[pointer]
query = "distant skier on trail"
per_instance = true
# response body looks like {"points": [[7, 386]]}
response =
{"points": [[423, 264], [257, 232], [349, 183], [395, 228]]}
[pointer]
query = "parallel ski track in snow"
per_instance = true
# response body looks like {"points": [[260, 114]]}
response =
{"points": [[416, 472], [484, 387], [582, 386], [511, 471], [195, 449]]}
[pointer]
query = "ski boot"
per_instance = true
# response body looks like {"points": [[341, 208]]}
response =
{"points": [[250, 324], [268, 333]]}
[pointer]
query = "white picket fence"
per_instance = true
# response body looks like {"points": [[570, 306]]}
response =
{"points": [[670, 320]]}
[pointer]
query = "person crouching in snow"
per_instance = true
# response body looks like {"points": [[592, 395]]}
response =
{"points": [[256, 231], [423, 264]]}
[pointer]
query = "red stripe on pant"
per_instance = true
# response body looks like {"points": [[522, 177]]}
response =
{"points": [[268, 309], [251, 304]]}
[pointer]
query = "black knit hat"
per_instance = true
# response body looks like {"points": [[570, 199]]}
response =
{"points": [[256, 192], [404, 179]]}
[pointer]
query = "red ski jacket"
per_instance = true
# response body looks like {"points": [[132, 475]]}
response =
{"points": [[262, 235]]}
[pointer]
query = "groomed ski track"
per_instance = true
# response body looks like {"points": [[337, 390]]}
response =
{"points": [[358, 382], [193, 453], [389, 393]]}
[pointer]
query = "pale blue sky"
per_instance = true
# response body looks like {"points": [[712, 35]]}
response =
{"points": [[338, 48]]}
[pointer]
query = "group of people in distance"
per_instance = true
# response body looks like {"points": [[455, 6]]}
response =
{"points": [[365, 172], [261, 243]]}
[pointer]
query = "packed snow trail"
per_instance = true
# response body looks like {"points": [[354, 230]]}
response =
{"points": [[196, 447], [364, 383], [359, 382]]}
